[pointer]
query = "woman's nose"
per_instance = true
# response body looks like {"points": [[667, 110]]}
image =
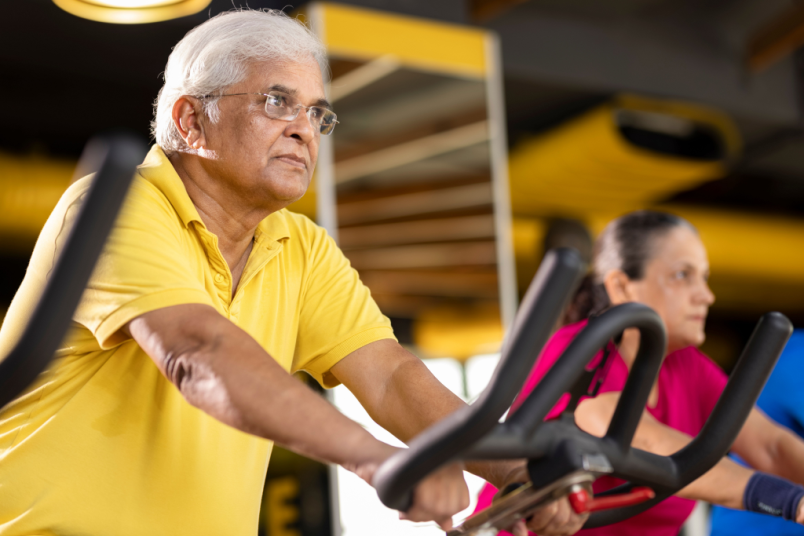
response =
{"points": [[705, 294]]}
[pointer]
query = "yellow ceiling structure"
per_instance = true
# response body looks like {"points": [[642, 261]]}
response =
{"points": [[29, 189], [351, 32], [587, 165]]}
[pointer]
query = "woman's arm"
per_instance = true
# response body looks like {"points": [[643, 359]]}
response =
{"points": [[724, 484], [770, 448]]}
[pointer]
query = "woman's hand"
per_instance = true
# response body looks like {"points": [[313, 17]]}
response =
{"points": [[800, 512]]}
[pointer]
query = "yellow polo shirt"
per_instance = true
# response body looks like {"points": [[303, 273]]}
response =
{"points": [[102, 444]]}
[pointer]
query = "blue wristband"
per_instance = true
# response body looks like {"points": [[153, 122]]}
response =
{"points": [[768, 494]]}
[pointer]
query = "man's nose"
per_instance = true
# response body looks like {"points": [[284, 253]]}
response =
{"points": [[301, 127]]}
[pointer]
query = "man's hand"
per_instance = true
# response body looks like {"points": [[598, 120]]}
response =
{"points": [[437, 498], [554, 519]]}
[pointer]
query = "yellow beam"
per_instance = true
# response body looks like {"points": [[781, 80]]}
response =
{"points": [[364, 34], [30, 186], [459, 332]]}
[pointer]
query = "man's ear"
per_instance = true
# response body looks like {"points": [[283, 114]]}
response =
{"points": [[189, 120], [617, 285]]}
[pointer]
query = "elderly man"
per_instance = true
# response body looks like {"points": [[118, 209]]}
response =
{"points": [[159, 413]]}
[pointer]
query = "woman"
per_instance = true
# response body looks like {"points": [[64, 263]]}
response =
{"points": [[659, 260]]}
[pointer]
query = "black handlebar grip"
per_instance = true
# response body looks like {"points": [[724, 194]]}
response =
{"points": [[738, 398], [727, 418], [569, 367], [117, 158], [548, 295]]}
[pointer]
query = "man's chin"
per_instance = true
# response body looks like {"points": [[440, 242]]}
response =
{"points": [[286, 192]]}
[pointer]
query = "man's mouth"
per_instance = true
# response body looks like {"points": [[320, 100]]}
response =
{"points": [[293, 160]]}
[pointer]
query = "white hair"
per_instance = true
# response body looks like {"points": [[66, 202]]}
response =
{"points": [[216, 54]]}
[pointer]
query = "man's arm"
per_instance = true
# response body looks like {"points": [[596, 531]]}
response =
{"points": [[224, 372], [400, 394]]}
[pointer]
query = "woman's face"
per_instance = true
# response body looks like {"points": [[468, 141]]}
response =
{"points": [[675, 285]]}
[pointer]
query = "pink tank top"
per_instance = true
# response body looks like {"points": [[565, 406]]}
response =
{"points": [[689, 386]]}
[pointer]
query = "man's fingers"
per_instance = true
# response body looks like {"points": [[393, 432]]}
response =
{"points": [[541, 517], [439, 497]]}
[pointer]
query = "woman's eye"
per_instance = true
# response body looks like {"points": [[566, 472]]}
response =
{"points": [[681, 275]]}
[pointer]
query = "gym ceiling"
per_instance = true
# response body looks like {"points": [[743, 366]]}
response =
{"points": [[66, 78]]}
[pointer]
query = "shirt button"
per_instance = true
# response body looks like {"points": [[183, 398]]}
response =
{"points": [[219, 278]]}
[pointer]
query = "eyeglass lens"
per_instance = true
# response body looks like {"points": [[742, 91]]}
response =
{"points": [[281, 106]]}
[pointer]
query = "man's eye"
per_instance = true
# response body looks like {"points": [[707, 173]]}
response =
{"points": [[276, 100], [681, 274], [317, 112]]}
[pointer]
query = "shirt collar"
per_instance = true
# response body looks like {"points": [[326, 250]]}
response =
{"points": [[158, 170]]}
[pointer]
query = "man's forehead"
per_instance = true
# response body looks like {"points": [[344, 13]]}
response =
{"points": [[300, 79]]}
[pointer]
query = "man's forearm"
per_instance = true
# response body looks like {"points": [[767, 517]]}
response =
{"points": [[409, 400], [224, 372]]}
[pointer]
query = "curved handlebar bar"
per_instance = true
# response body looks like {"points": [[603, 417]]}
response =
{"points": [[116, 157], [566, 371], [542, 306], [724, 423]]}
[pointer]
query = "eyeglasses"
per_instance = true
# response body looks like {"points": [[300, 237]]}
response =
{"points": [[282, 106]]}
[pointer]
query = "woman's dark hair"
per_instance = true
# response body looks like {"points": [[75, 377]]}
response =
{"points": [[627, 244]]}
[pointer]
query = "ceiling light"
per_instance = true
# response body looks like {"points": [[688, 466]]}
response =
{"points": [[131, 11]]}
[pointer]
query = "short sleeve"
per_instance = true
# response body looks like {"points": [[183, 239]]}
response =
{"points": [[145, 265], [338, 314], [548, 356]]}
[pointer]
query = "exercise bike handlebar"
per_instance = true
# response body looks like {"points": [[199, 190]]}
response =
{"points": [[554, 448], [544, 302], [565, 372], [518, 437], [727, 418], [116, 158]]}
